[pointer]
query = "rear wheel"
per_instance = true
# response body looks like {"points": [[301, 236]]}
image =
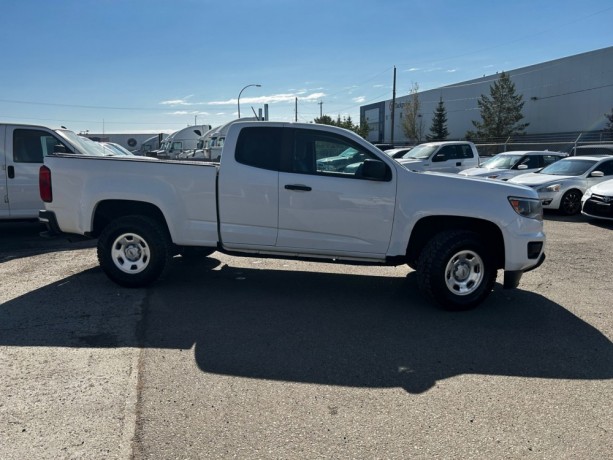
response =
{"points": [[133, 250], [571, 202], [455, 270]]}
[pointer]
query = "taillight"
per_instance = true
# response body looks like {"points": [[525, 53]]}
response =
{"points": [[44, 184]]}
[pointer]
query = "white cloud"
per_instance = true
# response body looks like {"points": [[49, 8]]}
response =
{"points": [[359, 100], [452, 70], [272, 99]]}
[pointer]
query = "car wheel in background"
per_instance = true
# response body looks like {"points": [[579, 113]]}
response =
{"points": [[571, 202]]}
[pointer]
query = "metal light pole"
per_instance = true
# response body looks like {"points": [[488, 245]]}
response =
{"points": [[239, 97]]}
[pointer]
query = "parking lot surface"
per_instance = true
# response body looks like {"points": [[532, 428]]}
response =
{"points": [[253, 358]]}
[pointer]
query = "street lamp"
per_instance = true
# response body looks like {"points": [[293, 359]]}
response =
{"points": [[239, 97]]}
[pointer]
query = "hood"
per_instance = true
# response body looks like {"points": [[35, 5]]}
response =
{"points": [[604, 188], [534, 179], [482, 171], [472, 184], [412, 163]]}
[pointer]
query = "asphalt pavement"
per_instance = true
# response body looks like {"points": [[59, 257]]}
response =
{"points": [[256, 358]]}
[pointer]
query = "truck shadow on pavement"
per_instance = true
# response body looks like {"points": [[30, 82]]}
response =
{"points": [[323, 328], [22, 239]]}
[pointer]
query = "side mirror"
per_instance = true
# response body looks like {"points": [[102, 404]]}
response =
{"points": [[597, 174], [522, 167], [439, 157], [374, 170]]}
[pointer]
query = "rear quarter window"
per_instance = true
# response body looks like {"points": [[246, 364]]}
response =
{"points": [[260, 147]]}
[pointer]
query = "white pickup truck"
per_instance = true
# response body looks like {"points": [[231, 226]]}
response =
{"points": [[269, 196]]}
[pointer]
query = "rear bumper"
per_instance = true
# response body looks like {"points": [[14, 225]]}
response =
{"points": [[49, 220]]}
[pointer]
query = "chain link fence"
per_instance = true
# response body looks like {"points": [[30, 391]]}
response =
{"points": [[560, 142]]}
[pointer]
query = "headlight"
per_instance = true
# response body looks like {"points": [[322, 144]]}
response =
{"points": [[527, 207], [550, 188]]}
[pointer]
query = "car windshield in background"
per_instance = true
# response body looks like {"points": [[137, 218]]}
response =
{"points": [[501, 162], [420, 152], [568, 167], [87, 146]]}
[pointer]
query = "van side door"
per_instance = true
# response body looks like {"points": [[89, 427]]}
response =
{"points": [[4, 198], [25, 148]]}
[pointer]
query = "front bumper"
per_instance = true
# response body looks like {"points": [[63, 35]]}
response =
{"points": [[512, 277]]}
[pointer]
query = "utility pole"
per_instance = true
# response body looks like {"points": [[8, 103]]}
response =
{"points": [[321, 114], [393, 106], [296, 110]]}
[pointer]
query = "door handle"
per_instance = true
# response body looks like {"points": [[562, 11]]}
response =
{"points": [[302, 188], [10, 171]]}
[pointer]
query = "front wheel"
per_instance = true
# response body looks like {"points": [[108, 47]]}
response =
{"points": [[455, 270], [133, 250], [571, 202]]}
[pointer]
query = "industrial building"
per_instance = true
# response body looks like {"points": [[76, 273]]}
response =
{"points": [[564, 99]]}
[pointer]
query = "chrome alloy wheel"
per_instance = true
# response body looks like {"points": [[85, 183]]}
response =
{"points": [[130, 253], [464, 272]]}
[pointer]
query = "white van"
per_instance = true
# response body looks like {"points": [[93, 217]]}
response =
{"points": [[444, 156], [22, 148]]}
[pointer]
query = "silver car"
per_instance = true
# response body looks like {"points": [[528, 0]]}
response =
{"points": [[510, 164], [562, 184]]}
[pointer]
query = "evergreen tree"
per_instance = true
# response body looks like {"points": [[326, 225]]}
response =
{"points": [[500, 113], [438, 129], [345, 122]]}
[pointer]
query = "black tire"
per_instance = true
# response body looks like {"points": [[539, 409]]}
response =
{"points": [[455, 270], [570, 204], [133, 251]]}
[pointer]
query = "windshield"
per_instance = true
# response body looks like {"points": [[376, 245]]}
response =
{"points": [[349, 153], [116, 149], [568, 167], [501, 162], [82, 144], [421, 152]]}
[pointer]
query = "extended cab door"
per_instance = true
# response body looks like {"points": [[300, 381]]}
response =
{"points": [[326, 211], [25, 147], [4, 198], [248, 189]]}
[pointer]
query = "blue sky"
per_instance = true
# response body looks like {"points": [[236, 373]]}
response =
{"points": [[159, 65]]}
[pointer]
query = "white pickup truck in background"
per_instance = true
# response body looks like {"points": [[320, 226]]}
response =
{"points": [[270, 196]]}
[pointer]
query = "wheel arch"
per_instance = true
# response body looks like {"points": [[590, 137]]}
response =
{"points": [[429, 226], [109, 210]]}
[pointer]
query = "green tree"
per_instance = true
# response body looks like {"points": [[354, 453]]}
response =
{"points": [[438, 129], [345, 122], [501, 112], [412, 125]]}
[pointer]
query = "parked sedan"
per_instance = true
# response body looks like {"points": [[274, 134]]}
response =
{"points": [[597, 201], [562, 184], [510, 164], [339, 162]]}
